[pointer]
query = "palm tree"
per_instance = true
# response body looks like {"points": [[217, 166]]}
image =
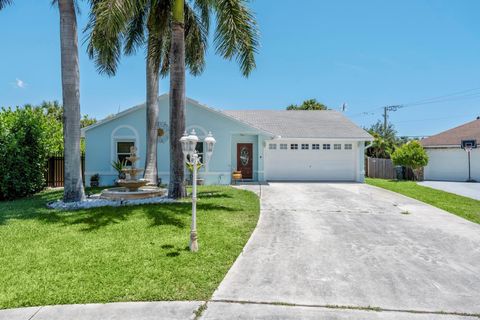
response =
{"points": [[112, 26], [73, 185], [235, 36]]}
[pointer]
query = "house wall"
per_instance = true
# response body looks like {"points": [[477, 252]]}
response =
{"points": [[100, 146], [451, 164]]}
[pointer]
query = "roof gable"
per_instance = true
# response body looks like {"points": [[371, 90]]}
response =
{"points": [[454, 136]]}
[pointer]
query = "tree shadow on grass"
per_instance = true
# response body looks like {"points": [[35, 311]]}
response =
{"points": [[173, 214]]}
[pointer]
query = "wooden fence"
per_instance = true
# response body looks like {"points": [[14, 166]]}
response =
{"points": [[384, 169], [55, 174]]}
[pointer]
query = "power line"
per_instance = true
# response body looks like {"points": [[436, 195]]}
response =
{"points": [[451, 97]]}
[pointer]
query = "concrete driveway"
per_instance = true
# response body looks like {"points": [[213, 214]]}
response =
{"points": [[340, 251], [466, 189]]}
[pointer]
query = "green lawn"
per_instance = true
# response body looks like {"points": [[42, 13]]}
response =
{"points": [[120, 254], [461, 206]]}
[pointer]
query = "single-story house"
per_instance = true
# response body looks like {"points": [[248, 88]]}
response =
{"points": [[447, 160], [265, 145]]}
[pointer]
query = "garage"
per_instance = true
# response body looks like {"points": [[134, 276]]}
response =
{"points": [[448, 161], [452, 164], [311, 161], [300, 145]]}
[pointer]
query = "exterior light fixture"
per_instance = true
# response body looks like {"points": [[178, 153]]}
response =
{"points": [[189, 143]]}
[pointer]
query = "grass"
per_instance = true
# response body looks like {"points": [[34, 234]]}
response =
{"points": [[464, 207], [120, 254]]}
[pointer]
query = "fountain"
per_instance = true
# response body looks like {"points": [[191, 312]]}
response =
{"points": [[131, 187]]}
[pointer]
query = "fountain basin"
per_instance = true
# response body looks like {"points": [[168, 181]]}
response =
{"points": [[123, 193], [132, 185]]}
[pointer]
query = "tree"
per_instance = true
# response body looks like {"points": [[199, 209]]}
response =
{"points": [[236, 36], [411, 155], [311, 104], [384, 142], [135, 24], [24, 146], [73, 185]]}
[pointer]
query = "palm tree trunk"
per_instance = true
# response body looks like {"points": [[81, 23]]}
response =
{"points": [[73, 186], [177, 102], [151, 171]]}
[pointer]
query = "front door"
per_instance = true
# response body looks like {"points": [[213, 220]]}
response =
{"points": [[245, 159]]}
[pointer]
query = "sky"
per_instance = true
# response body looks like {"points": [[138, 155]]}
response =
{"points": [[367, 54]]}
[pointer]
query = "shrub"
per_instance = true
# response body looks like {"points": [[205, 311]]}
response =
{"points": [[23, 151], [410, 155]]}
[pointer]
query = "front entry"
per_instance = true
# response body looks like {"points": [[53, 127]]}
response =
{"points": [[245, 159]]}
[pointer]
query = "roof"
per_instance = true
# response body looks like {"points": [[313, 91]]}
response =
{"points": [[454, 137], [302, 123], [281, 123]]}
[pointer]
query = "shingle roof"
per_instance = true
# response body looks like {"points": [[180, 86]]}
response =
{"points": [[301, 123], [454, 137]]}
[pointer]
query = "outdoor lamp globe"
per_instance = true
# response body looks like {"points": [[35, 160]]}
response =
{"points": [[210, 142], [192, 142], [184, 142]]}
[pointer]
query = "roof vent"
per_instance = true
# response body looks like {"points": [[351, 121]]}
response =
{"points": [[478, 118]]}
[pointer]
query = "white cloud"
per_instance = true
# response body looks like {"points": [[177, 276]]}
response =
{"points": [[20, 84]]}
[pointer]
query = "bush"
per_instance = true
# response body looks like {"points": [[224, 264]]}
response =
{"points": [[410, 155], [24, 149]]}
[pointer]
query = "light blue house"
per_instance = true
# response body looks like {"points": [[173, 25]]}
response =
{"points": [[262, 144]]}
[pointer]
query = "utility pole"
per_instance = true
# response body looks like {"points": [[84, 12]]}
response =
{"points": [[385, 116]]}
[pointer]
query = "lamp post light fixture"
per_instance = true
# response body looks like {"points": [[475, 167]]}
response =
{"points": [[189, 143]]}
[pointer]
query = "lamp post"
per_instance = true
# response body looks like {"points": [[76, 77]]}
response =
{"points": [[189, 143]]}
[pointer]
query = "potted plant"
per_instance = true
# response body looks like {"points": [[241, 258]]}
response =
{"points": [[190, 169], [95, 180], [118, 166]]}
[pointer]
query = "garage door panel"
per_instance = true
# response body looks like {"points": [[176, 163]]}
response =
{"points": [[452, 164], [310, 165]]}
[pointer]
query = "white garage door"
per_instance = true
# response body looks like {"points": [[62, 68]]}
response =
{"points": [[451, 165], [310, 162]]}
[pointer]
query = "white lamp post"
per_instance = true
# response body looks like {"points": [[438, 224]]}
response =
{"points": [[189, 142]]}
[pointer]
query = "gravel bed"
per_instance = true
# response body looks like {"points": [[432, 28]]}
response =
{"points": [[95, 202]]}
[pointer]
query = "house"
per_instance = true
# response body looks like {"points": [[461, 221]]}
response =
{"points": [[262, 144], [447, 159]]}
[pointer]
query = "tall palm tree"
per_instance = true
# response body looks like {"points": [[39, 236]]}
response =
{"points": [[73, 185], [235, 36], [110, 27]]}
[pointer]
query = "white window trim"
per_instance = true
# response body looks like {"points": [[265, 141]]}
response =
{"points": [[114, 139]]}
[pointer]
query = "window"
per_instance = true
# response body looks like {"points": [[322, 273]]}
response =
{"points": [[123, 151], [283, 146], [272, 146], [199, 149], [294, 146], [304, 146], [348, 146], [315, 146], [326, 146], [337, 146]]}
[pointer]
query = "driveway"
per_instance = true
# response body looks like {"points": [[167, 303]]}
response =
{"points": [[466, 189], [340, 251]]}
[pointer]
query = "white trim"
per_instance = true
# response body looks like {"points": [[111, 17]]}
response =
{"points": [[114, 139]]}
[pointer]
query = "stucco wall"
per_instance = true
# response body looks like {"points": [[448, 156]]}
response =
{"points": [[100, 148]]}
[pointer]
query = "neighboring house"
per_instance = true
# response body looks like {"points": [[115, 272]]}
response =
{"points": [[447, 160], [263, 144]]}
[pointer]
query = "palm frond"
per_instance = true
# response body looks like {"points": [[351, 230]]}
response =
{"points": [[196, 38], [108, 23], [4, 3], [236, 34]]}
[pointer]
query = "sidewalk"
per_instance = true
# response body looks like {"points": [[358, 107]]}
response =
{"points": [[119, 311]]}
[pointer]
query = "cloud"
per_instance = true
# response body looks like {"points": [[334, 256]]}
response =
{"points": [[19, 84]]}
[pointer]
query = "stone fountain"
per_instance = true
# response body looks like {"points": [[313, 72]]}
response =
{"points": [[131, 187]]}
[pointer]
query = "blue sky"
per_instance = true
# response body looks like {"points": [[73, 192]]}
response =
{"points": [[368, 53]]}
